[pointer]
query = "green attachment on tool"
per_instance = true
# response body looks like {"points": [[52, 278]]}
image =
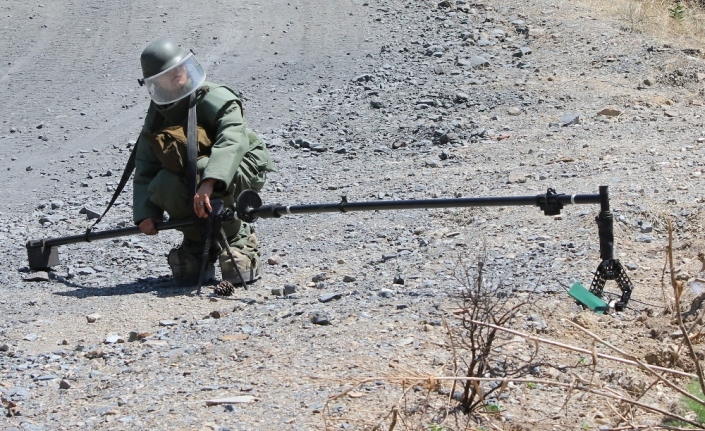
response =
{"points": [[587, 298]]}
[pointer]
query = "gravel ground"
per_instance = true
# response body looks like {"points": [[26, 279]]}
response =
{"points": [[371, 100]]}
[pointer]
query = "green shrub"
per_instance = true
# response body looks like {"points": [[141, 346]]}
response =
{"points": [[698, 408], [677, 12]]}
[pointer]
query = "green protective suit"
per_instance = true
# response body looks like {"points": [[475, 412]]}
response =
{"points": [[239, 160]]}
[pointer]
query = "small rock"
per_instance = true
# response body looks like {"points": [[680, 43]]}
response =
{"points": [[516, 177], [386, 293], [92, 318], [670, 113], [90, 214], [36, 276], [4, 347], [319, 318], [168, 323], [610, 111], [327, 297], [386, 257], [274, 260], [570, 119], [318, 148], [514, 111], [348, 279], [363, 78], [65, 384], [57, 204], [646, 228], [644, 238], [537, 32], [321, 276], [288, 289], [141, 335], [17, 394], [31, 337], [451, 138], [479, 61], [376, 104], [85, 271], [216, 314], [111, 339]]}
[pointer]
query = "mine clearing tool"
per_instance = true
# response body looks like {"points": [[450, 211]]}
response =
{"points": [[43, 253]]}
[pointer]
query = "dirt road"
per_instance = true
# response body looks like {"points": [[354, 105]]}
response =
{"points": [[373, 100]]}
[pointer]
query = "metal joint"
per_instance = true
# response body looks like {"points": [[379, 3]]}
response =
{"points": [[343, 201], [550, 202]]}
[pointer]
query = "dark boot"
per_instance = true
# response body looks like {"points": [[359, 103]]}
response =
{"points": [[185, 264], [243, 245]]}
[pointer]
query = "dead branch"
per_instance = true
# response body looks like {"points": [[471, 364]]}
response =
{"points": [[640, 363], [678, 291], [571, 385], [586, 351]]}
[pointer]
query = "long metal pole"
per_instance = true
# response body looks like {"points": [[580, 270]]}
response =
{"points": [[270, 211], [43, 253], [114, 233], [605, 224]]}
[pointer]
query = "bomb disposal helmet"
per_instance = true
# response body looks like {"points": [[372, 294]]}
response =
{"points": [[170, 72]]}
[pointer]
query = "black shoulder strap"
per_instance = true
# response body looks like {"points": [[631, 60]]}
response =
{"points": [[191, 148], [129, 167]]}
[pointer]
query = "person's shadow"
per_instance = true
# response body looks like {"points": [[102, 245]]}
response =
{"points": [[162, 286]]}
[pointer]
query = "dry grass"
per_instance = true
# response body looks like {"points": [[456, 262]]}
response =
{"points": [[655, 17]]}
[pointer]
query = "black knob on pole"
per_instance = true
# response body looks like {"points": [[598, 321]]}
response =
{"points": [[247, 202]]}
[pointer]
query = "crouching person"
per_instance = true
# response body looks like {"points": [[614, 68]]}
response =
{"points": [[231, 158]]}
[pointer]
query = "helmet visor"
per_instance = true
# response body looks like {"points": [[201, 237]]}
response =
{"points": [[177, 82]]}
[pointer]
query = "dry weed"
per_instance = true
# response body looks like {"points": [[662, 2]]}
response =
{"points": [[484, 364], [655, 17]]}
